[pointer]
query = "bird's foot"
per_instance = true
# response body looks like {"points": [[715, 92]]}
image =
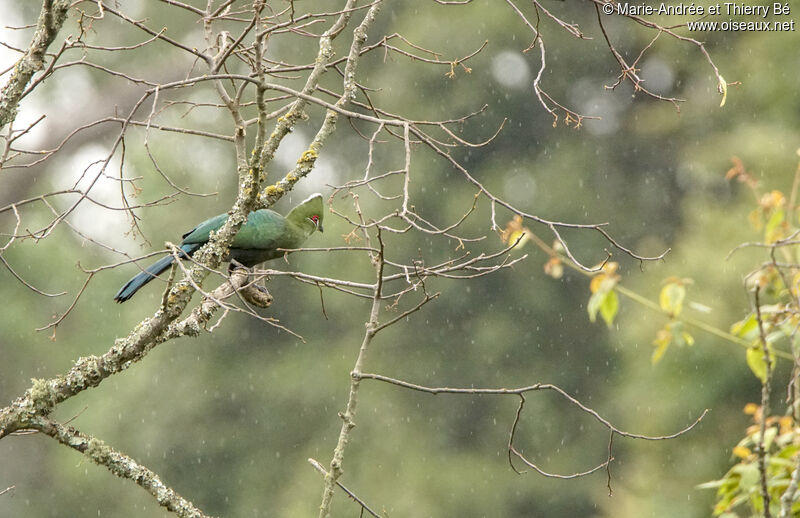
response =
{"points": [[257, 295]]}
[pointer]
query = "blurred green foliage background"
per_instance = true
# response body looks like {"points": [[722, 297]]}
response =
{"points": [[229, 419]]}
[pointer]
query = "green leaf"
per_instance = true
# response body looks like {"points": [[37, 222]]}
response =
{"points": [[769, 436], [755, 360], [749, 476], [607, 304], [604, 299], [747, 328], [781, 463], [609, 307], [771, 231], [786, 453]]}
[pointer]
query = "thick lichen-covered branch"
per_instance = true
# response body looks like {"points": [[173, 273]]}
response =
{"points": [[119, 464], [89, 371], [51, 18], [286, 122], [307, 160]]}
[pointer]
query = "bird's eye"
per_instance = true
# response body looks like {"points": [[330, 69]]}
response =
{"points": [[314, 218]]}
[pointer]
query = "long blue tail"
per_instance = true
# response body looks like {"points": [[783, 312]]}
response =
{"points": [[150, 273]]}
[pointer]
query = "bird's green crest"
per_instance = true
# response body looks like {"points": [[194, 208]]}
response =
{"points": [[308, 214]]}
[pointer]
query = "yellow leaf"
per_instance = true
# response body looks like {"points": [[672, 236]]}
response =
{"points": [[596, 281], [515, 231], [786, 424], [750, 408], [723, 88], [514, 225], [671, 298], [755, 219], [772, 200], [659, 353], [606, 279], [519, 237], [661, 342], [742, 452], [611, 267]]}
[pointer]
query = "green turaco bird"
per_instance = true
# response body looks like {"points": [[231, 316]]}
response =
{"points": [[257, 241]]}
